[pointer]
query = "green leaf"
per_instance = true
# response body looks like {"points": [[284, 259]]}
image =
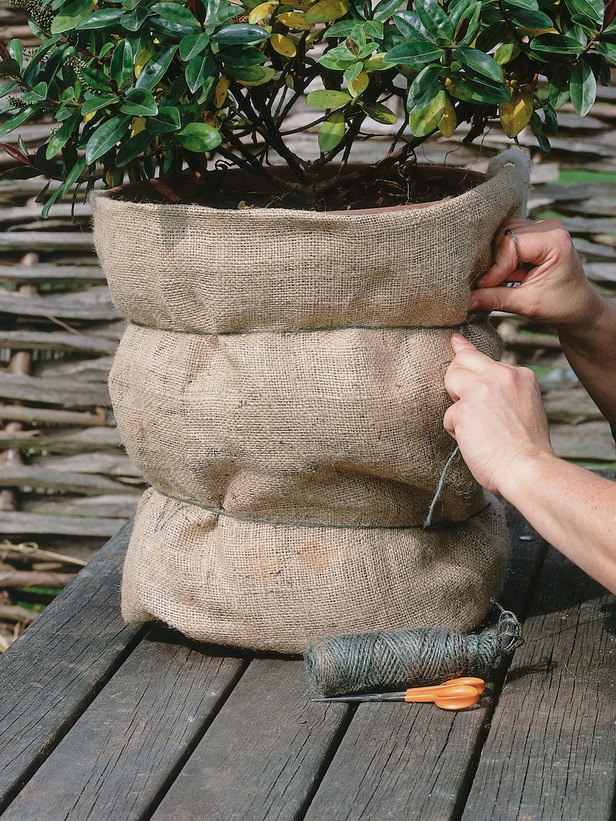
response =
{"points": [[105, 137], [250, 75], [435, 21], [583, 87], [241, 57], [96, 103], [336, 64], [475, 91], [220, 15], [17, 120], [537, 129], [385, 9], [426, 120], [505, 52], [100, 19], [68, 19], [139, 102], [353, 72], [122, 64], [192, 45], [167, 121], [328, 99], [525, 18], [177, 14], [73, 175], [608, 50], [95, 79], [37, 94], [198, 70], [45, 214], [410, 26], [15, 49], [548, 44], [9, 68], [133, 148], [341, 29], [380, 113], [199, 137], [133, 20], [58, 140], [558, 91], [156, 68], [331, 132], [240, 33], [417, 53], [592, 9], [479, 63]]}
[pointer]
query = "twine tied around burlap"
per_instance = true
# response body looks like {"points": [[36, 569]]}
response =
{"points": [[397, 659]]}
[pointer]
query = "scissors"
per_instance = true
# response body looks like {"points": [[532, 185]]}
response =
{"points": [[456, 694]]}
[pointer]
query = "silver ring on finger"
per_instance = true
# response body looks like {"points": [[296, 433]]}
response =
{"points": [[515, 245]]}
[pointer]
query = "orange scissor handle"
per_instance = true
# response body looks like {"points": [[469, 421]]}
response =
{"points": [[478, 684], [457, 697]]}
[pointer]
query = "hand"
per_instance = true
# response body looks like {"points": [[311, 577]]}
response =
{"points": [[497, 417], [552, 285]]}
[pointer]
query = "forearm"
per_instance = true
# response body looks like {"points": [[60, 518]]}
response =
{"points": [[591, 351], [574, 510]]}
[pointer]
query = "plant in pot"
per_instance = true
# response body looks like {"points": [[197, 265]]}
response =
{"points": [[280, 381]]}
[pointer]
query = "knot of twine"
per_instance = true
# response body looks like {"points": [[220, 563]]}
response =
{"points": [[397, 659]]}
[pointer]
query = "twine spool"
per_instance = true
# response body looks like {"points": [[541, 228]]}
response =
{"points": [[397, 659]]}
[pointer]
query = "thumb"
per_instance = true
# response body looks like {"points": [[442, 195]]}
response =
{"points": [[513, 300], [459, 343]]}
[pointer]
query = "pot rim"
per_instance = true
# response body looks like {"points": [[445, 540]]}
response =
{"points": [[153, 189]]}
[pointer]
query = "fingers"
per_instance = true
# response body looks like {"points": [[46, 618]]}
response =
{"points": [[536, 240], [513, 300], [468, 363]]}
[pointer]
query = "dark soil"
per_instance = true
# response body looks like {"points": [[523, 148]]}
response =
{"points": [[237, 190]]}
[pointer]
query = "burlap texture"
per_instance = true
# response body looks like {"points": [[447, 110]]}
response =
{"points": [[281, 388]]}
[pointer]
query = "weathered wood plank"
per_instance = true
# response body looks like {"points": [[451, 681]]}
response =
{"points": [[412, 760], [130, 742], [109, 464], [551, 751], [13, 523], [112, 506], [64, 392], [593, 251], [588, 226], [93, 304], [25, 241], [88, 440], [601, 271], [50, 416], [54, 671], [263, 753], [44, 272], [90, 370], [23, 213], [35, 476], [54, 341], [570, 407], [589, 441]]}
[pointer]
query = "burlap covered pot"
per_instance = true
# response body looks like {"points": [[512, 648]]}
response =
{"points": [[280, 386]]}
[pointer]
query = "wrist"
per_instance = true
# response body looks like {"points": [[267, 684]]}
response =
{"points": [[583, 333], [526, 475]]}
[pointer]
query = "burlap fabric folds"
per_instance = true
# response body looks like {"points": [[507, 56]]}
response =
{"points": [[280, 386]]}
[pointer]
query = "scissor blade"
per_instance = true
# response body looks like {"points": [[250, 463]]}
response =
{"points": [[366, 697]]}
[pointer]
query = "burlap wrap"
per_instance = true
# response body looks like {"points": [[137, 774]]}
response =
{"points": [[280, 386]]}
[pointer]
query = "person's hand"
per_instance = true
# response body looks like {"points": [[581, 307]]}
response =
{"points": [[551, 285], [497, 418]]}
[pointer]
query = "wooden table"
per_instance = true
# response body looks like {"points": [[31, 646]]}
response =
{"points": [[102, 721]]}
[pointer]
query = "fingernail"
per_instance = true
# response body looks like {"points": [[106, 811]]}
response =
{"points": [[473, 303], [458, 337]]}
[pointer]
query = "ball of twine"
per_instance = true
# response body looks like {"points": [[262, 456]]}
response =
{"points": [[397, 659]]}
